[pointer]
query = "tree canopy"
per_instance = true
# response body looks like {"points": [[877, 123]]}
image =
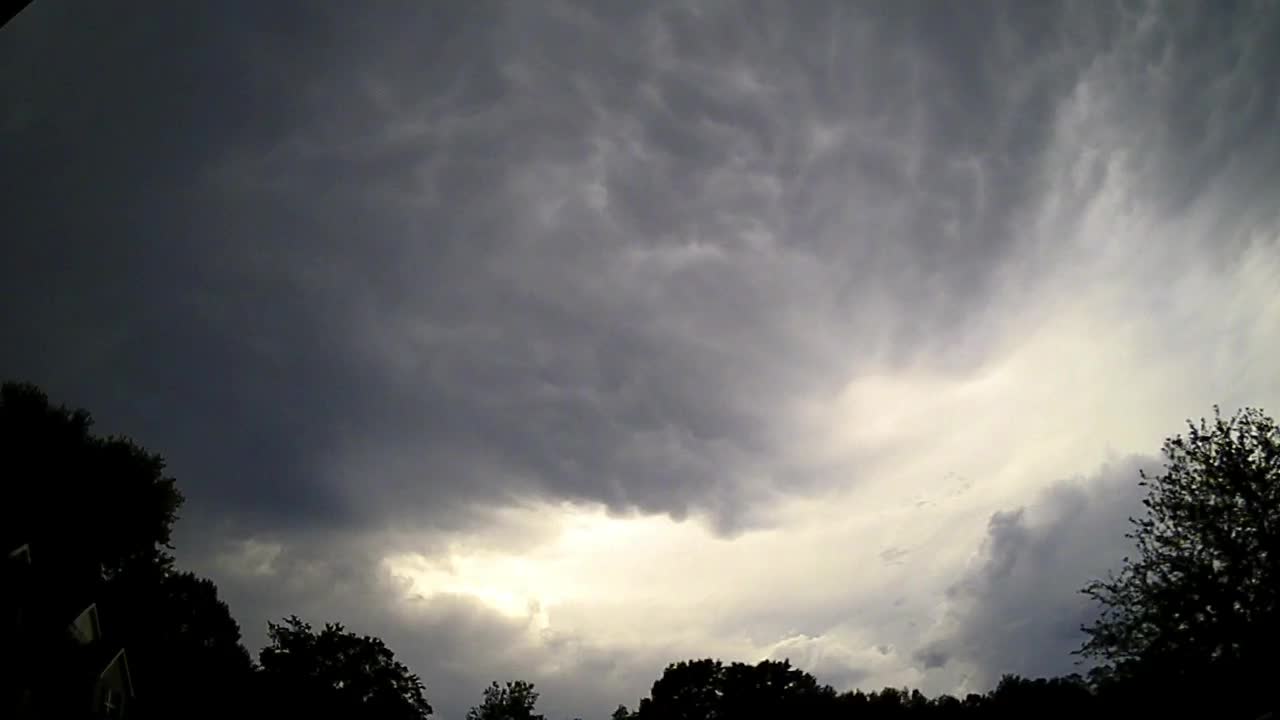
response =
{"points": [[97, 514], [710, 689], [92, 504], [333, 671], [514, 701], [1198, 600]]}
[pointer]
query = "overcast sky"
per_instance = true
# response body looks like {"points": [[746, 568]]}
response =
{"points": [[560, 341]]}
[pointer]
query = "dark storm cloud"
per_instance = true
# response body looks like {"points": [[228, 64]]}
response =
{"points": [[111, 119], [323, 236], [362, 247], [627, 334], [1019, 609], [392, 265]]}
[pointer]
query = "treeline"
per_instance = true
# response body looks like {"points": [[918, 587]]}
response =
{"points": [[775, 689], [1187, 625]]}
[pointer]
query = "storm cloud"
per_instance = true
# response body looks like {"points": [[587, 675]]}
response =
{"points": [[562, 340], [1018, 608]]}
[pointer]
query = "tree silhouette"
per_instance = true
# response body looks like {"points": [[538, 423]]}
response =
{"points": [[1018, 697], [686, 690], [180, 637], [772, 688], [514, 701], [709, 689], [335, 673], [1197, 604], [91, 505], [97, 515]]}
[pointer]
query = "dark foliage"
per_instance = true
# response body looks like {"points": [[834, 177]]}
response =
{"points": [[92, 505], [710, 689], [180, 637], [1197, 604], [771, 689], [337, 673], [513, 701]]}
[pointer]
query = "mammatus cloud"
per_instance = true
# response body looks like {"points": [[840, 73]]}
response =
{"points": [[561, 342]]}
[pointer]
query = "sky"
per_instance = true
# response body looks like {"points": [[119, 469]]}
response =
{"points": [[560, 341]]}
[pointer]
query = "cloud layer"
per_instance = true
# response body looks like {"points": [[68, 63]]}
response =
{"points": [[562, 340]]}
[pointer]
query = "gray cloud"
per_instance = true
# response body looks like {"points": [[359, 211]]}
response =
{"points": [[1018, 609], [388, 256], [370, 276]]}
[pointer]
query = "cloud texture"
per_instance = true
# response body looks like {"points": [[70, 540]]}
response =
{"points": [[563, 340]]}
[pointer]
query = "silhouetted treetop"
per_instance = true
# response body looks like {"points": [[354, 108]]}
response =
{"points": [[79, 499], [180, 637], [338, 673], [97, 514], [1198, 600], [514, 701]]}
